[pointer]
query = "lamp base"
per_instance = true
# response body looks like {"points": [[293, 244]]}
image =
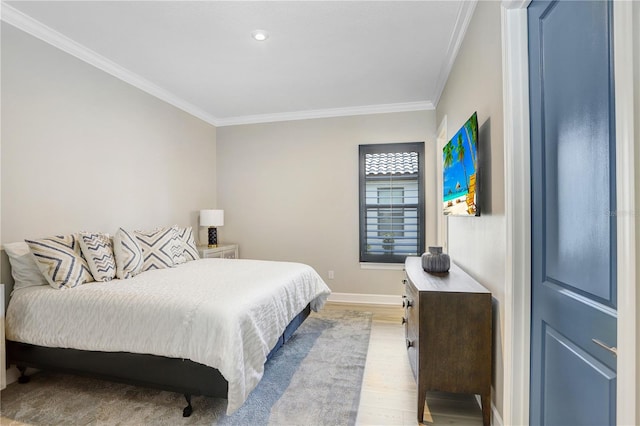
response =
{"points": [[213, 237]]}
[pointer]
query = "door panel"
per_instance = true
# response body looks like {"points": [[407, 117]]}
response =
{"points": [[567, 364], [577, 245], [573, 231]]}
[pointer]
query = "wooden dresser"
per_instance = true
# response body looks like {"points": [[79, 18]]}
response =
{"points": [[448, 333]]}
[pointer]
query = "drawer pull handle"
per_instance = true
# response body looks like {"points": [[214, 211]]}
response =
{"points": [[407, 303], [404, 320], [613, 349], [409, 343], [404, 282]]}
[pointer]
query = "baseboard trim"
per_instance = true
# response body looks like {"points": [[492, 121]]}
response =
{"points": [[496, 418], [369, 299]]}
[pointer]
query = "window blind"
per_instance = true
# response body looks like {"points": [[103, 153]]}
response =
{"points": [[391, 202]]}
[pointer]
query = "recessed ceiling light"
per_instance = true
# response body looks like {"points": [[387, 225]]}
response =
{"points": [[260, 35]]}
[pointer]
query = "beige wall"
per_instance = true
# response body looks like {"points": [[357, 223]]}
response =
{"points": [[290, 191], [636, 78], [81, 150], [478, 244]]}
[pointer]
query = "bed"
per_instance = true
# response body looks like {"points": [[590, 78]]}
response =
{"points": [[205, 327]]}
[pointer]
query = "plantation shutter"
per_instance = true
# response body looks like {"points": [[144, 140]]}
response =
{"points": [[391, 202]]}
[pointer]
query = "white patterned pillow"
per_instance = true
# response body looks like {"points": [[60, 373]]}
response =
{"points": [[161, 248], [188, 243], [179, 255], [98, 251], [60, 260], [128, 254]]}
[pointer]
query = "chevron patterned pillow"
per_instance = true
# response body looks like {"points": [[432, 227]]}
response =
{"points": [[128, 254], [179, 256], [188, 243], [98, 251], [60, 260], [161, 248]]}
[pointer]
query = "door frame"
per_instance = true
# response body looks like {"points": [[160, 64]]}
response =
{"points": [[518, 213]]}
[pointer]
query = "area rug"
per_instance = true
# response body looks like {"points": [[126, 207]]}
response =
{"points": [[314, 379]]}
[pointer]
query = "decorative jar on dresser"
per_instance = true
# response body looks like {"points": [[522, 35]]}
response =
{"points": [[448, 326], [222, 251]]}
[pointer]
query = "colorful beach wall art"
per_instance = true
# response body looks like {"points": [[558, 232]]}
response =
{"points": [[460, 170]]}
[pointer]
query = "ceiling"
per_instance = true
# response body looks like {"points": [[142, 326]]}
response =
{"points": [[322, 58]]}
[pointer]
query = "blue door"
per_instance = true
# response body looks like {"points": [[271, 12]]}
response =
{"points": [[573, 324]]}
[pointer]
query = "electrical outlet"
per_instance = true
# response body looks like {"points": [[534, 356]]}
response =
{"points": [[331, 275]]}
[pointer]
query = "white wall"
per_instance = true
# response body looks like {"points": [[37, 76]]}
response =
{"points": [[81, 150], [478, 244], [290, 191]]}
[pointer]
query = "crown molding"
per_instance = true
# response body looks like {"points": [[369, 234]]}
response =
{"points": [[37, 29], [459, 30], [326, 113], [31, 26]]}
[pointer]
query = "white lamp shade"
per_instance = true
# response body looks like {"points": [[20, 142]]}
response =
{"points": [[211, 217]]}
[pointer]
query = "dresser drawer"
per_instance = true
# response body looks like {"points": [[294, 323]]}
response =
{"points": [[412, 331]]}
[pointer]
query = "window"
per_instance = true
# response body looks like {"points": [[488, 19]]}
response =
{"points": [[391, 222], [391, 202]]}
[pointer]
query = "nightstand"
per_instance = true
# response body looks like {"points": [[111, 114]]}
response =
{"points": [[223, 251]]}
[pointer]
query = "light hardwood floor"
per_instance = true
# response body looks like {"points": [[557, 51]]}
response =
{"points": [[389, 390]]}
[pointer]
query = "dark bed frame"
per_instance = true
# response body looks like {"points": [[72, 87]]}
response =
{"points": [[170, 374], [159, 372]]}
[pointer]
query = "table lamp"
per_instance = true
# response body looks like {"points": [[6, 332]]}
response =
{"points": [[212, 219]]}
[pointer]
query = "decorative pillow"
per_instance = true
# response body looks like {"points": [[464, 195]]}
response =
{"points": [[179, 255], [24, 268], [98, 251], [60, 260], [188, 243], [161, 248], [128, 255]]}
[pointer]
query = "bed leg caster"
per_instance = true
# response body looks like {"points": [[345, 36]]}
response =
{"points": [[23, 377], [188, 409]]}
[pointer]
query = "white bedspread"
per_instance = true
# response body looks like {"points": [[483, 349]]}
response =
{"points": [[226, 314]]}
